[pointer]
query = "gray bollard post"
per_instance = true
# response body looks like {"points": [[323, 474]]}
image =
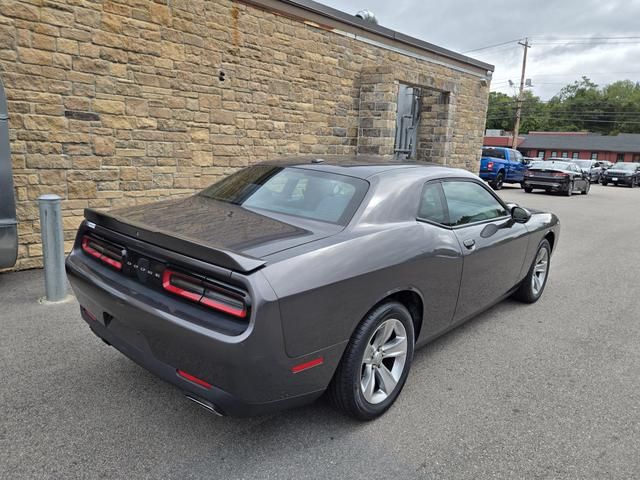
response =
{"points": [[55, 280]]}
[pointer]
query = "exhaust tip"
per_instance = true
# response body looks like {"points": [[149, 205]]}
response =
{"points": [[207, 405]]}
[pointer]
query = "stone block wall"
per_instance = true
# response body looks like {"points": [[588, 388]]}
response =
{"points": [[116, 102]]}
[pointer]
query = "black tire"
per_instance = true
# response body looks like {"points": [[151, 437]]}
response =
{"points": [[604, 183], [344, 391], [569, 190], [586, 189], [497, 182], [633, 183], [528, 189], [525, 292]]}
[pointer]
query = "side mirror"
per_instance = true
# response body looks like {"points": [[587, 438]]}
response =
{"points": [[520, 215]]}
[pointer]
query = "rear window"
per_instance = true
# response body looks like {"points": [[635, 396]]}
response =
{"points": [[553, 165], [493, 152], [294, 191]]}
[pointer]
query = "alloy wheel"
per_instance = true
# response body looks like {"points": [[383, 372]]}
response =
{"points": [[540, 271], [383, 361]]}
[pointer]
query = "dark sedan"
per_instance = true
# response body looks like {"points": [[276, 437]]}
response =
{"points": [[289, 279], [623, 173], [556, 176]]}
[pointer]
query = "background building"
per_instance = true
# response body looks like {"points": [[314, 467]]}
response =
{"points": [[116, 102], [624, 147]]}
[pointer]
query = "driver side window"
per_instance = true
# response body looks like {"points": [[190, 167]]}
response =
{"points": [[469, 202]]}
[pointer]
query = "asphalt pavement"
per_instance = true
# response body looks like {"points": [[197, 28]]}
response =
{"points": [[550, 390]]}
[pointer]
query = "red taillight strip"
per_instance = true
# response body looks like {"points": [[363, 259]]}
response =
{"points": [[166, 284], [96, 254], [307, 365], [238, 312], [196, 380], [197, 296]]}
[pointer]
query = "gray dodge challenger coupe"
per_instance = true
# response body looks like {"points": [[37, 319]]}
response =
{"points": [[293, 278]]}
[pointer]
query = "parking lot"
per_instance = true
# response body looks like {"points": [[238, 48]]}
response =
{"points": [[549, 390]]}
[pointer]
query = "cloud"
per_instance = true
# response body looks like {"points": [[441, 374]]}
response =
{"points": [[462, 25]]}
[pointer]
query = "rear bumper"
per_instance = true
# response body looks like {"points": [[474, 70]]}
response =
{"points": [[487, 176], [546, 185], [619, 181], [249, 374]]}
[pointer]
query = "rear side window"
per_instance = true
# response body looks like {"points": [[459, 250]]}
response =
{"points": [[493, 152], [468, 202], [432, 204], [294, 191]]}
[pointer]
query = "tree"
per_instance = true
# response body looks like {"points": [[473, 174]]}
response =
{"points": [[579, 106]]}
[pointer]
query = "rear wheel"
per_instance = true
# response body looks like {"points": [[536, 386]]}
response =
{"points": [[604, 183], [586, 189], [375, 364], [497, 182], [532, 286]]}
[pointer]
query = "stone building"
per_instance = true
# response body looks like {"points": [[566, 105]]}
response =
{"points": [[114, 102]]}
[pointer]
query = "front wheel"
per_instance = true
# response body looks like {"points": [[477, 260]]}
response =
{"points": [[586, 189], [604, 183], [569, 190], [375, 364], [531, 288], [528, 189]]}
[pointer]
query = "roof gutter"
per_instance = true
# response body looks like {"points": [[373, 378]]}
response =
{"points": [[342, 23]]}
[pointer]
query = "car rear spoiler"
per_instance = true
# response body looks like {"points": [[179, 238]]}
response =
{"points": [[205, 252]]}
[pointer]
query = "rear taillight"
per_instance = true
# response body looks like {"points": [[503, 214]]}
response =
{"points": [[558, 174], [103, 251], [205, 293], [490, 166]]}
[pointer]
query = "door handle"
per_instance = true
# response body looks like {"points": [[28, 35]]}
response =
{"points": [[469, 243]]}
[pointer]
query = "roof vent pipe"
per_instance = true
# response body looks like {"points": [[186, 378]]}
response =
{"points": [[367, 16]]}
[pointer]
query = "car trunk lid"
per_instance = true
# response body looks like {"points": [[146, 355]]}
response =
{"points": [[212, 231]]}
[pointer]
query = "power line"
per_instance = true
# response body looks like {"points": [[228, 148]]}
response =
{"points": [[492, 46]]}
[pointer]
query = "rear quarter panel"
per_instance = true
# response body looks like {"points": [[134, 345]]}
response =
{"points": [[325, 293]]}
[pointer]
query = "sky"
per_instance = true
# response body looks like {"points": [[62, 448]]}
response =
{"points": [[570, 38]]}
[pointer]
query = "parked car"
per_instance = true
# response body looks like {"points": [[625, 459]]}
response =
{"points": [[557, 176], [623, 173], [8, 222], [290, 278], [502, 165], [592, 168]]}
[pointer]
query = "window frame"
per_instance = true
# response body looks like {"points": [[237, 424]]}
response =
{"points": [[443, 198]]}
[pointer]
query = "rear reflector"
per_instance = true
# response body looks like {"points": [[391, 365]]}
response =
{"points": [[196, 380], [109, 254], [88, 314], [204, 293], [307, 365]]}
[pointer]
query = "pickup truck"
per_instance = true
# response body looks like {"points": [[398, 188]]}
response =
{"points": [[501, 165]]}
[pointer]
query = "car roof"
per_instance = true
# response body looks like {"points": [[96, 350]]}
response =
{"points": [[362, 166]]}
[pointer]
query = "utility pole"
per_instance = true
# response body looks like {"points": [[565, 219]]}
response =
{"points": [[516, 127]]}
